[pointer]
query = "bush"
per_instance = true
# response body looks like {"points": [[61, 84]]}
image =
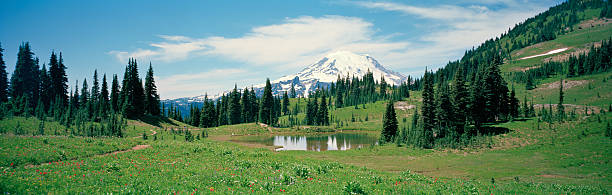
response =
{"points": [[353, 188]]}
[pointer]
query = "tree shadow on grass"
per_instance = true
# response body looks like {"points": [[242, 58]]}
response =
{"points": [[157, 120]]}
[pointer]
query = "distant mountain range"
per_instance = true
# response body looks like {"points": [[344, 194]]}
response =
{"points": [[319, 74]]}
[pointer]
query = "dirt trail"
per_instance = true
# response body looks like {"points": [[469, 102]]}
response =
{"points": [[266, 126], [152, 134]]}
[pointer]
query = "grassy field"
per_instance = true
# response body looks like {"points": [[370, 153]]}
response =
{"points": [[175, 166]]}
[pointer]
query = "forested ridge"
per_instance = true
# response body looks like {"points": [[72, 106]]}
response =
{"points": [[98, 110]]}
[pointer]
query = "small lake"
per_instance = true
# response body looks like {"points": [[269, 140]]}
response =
{"points": [[318, 142]]}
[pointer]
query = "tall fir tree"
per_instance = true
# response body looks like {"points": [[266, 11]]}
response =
{"points": [[285, 105], [104, 101], [292, 91], [322, 113], [514, 104], [114, 95], [46, 95], [443, 110], [59, 79], [389, 129], [247, 115], [428, 111], [132, 92], [265, 111], [235, 108], [95, 95], [151, 102], [560, 107], [460, 100], [25, 78], [4, 93]]}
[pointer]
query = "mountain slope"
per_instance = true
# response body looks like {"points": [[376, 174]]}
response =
{"points": [[325, 71]]}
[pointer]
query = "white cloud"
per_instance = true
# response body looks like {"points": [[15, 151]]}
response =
{"points": [[293, 43]]}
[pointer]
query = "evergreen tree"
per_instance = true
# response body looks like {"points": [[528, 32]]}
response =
{"points": [[59, 79], [443, 110], [460, 100], [514, 104], [3, 79], [235, 108], [571, 67], [285, 105], [151, 102], [24, 80], [265, 111], [322, 113], [132, 92], [383, 87], [389, 131], [114, 95], [428, 111], [529, 85], [560, 108], [95, 96], [104, 107], [246, 104], [84, 101], [292, 91], [46, 95]]}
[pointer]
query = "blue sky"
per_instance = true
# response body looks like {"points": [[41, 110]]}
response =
{"points": [[199, 47]]}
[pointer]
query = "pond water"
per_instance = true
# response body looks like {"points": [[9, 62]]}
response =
{"points": [[320, 142]]}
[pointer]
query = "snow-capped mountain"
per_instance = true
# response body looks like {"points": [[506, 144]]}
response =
{"points": [[319, 74], [325, 71]]}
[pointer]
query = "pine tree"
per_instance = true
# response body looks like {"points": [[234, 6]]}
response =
{"points": [[46, 95], [265, 111], [114, 95], [59, 79], [292, 91], [151, 102], [24, 80], [132, 92], [460, 100], [285, 105], [428, 111], [383, 87], [560, 108], [104, 107], [389, 131], [529, 85], [246, 104], [443, 110], [514, 104], [95, 95], [84, 101], [525, 107], [4, 93], [322, 113], [571, 67], [235, 108]]}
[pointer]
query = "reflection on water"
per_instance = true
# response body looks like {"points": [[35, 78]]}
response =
{"points": [[341, 141]]}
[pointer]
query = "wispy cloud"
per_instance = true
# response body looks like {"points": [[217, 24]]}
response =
{"points": [[181, 85], [457, 27], [443, 12]]}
